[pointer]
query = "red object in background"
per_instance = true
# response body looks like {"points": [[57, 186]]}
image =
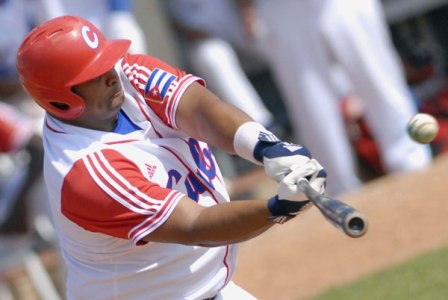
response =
{"points": [[366, 148], [362, 142]]}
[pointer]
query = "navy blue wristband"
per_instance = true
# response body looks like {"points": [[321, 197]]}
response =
{"points": [[285, 207], [260, 149], [265, 140]]}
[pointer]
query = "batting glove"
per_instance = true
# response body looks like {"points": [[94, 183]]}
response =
{"points": [[290, 200], [255, 143], [280, 159], [311, 171]]}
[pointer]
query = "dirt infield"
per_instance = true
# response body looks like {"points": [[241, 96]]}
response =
{"points": [[408, 215]]}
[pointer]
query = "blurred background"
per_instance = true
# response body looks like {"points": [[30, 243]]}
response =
{"points": [[193, 36]]}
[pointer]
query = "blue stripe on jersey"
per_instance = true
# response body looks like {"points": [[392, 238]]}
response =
{"points": [[159, 80], [124, 124], [150, 79], [166, 86]]}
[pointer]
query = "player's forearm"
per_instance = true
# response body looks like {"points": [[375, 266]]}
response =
{"points": [[232, 222], [223, 224]]}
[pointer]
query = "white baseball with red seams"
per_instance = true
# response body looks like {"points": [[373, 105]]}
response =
{"points": [[423, 128]]}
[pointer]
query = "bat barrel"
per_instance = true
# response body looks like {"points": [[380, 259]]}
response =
{"points": [[344, 217]]}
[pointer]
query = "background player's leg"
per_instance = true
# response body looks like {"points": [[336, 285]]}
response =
{"points": [[360, 41]]}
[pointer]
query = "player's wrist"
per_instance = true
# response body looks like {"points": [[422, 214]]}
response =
{"points": [[283, 210], [251, 141]]}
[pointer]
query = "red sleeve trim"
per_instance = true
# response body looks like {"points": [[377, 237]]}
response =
{"points": [[149, 76], [114, 197]]}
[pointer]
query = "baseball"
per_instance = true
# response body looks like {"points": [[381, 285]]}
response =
{"points": [[423, 128]]}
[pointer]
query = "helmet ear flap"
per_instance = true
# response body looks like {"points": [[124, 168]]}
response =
{"points": [[68, 108], [60, 105]]}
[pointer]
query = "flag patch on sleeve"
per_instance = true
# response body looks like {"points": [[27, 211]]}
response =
{"points": [[158, 84]]}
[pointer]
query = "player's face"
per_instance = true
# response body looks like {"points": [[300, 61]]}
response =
{"points": [[103, 96]]}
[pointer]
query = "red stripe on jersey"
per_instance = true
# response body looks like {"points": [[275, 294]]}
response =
{"points": [[86, 197], [137, 74], [226, 264], [118, 188], [121, 142], [172, 104], [142, 230], [184, 83], [51, 128]]}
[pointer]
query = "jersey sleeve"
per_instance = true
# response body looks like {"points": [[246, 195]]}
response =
{"points": [[105, 192], [160, 84]]}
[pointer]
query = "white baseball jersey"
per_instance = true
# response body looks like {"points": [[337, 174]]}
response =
{"points": [[108, 190]]}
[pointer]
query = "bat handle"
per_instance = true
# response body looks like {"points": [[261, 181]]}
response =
{"points": [[344, 217]]}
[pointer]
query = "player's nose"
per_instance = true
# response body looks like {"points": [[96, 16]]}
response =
{"points": [[111, 77]]}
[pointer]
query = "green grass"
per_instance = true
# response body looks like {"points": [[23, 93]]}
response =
{"points": [[423, 278]]}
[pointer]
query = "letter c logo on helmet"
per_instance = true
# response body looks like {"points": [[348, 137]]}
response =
{"points": [[91, 43]]}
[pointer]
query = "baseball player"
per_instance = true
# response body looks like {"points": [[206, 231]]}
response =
{"points": [[138, 201]]}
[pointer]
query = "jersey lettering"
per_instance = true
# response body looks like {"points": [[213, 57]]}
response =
{"points": [[204, 160], [192, 184], [173, 178]]}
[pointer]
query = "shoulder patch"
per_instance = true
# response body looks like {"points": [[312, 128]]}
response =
{"points": [[158, 84]]}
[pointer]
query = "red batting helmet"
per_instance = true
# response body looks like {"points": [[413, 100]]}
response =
{"points": [[61, 53]]}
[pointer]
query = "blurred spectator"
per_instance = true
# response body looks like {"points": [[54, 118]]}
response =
{"points": [[20, 142], [306, 41], [115, 18], [216, 48]]}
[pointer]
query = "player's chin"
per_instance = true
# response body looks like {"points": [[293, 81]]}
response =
{"points": [[116, 101]]}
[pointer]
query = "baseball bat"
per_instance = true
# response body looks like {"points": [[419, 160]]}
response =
{"points": [[344, 217]]}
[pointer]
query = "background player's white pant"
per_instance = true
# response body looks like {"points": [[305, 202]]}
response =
{"points": [[304, 39], [215, 60]]}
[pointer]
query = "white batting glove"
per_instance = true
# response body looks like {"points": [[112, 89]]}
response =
{"points": [[255, 143], [311, 171], [281, 158], [290, 201]]}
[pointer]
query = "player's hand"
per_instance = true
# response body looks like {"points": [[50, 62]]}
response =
{"points": [[257, 144], [280, 158], [312, 171], [290, 200]]}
